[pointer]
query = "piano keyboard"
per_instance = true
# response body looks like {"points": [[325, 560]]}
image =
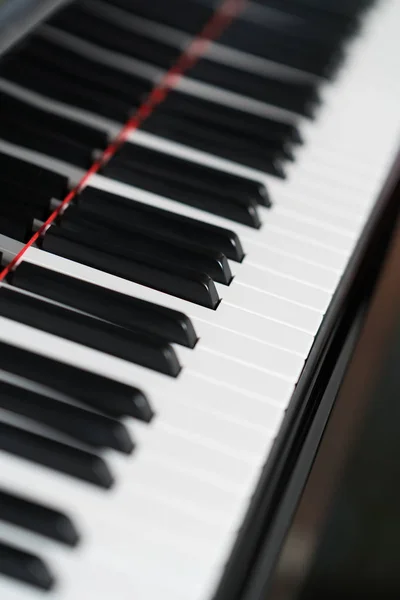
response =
{"points": [[152, 338]]}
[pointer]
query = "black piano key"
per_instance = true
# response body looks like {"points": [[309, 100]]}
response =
{"points": [[155, 249], [78, 423], [192, 176], [268, 157], [174, 13], [343, 9], [290, 95], [292, 20], [183, 283], [134, 88], [285, 49], [228, 130], [250, 126], [259, 132], [106, 395], [38, 518], [32, 176], [13, 108], [12, 208], [249, 36], [26, 134], [92, 73], [230, 203], [236, 208], [284, 38], [25, 567], [63, 88], [106, 304], [55, 455], [317, 20], [76, 81], [219, 138], [16, 194], [298, 97], [313, 29], [130, 213], [19, 229], [134, 346], [80, 21]]}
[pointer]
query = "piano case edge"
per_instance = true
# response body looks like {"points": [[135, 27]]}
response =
{"points": [[256, 550]]}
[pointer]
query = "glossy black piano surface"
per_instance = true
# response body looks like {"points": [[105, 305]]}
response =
{"points": [[342, 540]]}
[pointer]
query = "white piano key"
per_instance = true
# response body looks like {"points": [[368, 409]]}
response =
{"points": [[285, 287], [245, 410], [286, 240], [222, 370], [191, 471], [202, 474], [237, 321], [313, 231], [284, 263], [104, 516], [110, 557], [316, 192], [245, 348], [309, 235], [274, 307], [156, 504], [155, 384], [341, 219], [325, 220], [264, 329], [103, 532], [185, 529], [240, 373], [195, 419]]}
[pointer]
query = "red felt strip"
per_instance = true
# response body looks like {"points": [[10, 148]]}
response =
{"points": [[220, 20]]}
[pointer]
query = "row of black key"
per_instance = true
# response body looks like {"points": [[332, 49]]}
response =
{"points": [[261, 143], [334, 17], [95, 420], [73, 418], [92, 419], [225, 194], [296, 96], [253, 37], [88, 413], [119, 91], [37, 518], [99, 232], [303, 37], [150, 246]]}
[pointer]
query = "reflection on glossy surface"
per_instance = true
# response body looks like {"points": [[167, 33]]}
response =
{"points": [[345, 538]]}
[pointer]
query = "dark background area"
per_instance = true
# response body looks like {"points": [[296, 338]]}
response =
{"points": [[359, 552], [344, 540]]}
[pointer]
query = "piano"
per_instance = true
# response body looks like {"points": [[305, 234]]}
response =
{"points": [[197, 198]]}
